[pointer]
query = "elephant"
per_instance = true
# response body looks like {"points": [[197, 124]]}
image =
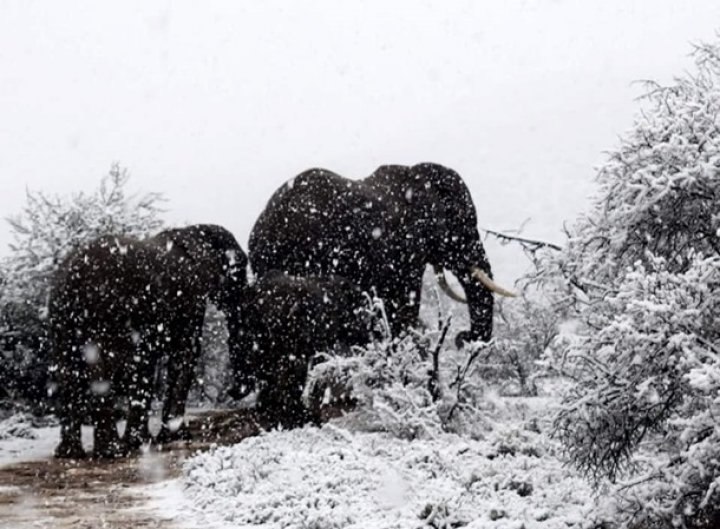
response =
{"points": [[218, 267], [380, 233], [117, 305], [286, 320]]}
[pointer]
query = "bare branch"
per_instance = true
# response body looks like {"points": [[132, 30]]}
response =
{"points": [[531, 245]]}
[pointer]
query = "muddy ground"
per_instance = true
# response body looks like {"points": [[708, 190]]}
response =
{"points": [[90, 494]]}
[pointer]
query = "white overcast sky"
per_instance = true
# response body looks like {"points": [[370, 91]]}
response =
{"points": [[216, 103]]}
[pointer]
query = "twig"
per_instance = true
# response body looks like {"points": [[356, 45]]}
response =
{"points": [[531, 245], [460, 378], [434, 383]]}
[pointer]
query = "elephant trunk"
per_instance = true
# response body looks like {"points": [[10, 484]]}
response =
{"points": [[479, 289], [480, 308]]}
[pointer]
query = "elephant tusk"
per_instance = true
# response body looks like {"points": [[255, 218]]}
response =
{"points": [[490, 284], [442, 281]]}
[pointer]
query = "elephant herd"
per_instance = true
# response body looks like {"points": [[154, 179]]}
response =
{"points": [[119, 305]]}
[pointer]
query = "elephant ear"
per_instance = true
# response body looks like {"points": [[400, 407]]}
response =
{"points": [[424, 212], [448, 200]]}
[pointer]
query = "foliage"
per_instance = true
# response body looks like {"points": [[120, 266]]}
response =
{"points": [[46, 230], [642, 271], [524, 330], [413, 386]]}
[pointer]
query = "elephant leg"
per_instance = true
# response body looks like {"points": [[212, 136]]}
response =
{"points": [[136, 431], [181, 372], [280, 398], [71, 379], [106, 439], [480, 306], [70, 446], [242, 360], [140, 395]]}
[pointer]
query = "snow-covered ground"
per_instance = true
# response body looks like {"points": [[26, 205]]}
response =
{"points": [[339, 477], [38, 491], [19, 441]]}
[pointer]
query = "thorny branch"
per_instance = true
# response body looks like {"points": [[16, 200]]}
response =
{"points": [[529, 245]]}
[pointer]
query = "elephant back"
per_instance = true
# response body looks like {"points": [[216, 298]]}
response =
{"points": [[318, 223], [103, 293], [107, 274]]}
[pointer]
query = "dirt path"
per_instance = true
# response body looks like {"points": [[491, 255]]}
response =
{"points": [[90, 494]]}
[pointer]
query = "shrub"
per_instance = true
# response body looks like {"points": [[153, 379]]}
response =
{"points": [[642, 270], [46, 230]]}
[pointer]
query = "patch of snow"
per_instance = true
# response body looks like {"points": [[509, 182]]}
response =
{"points": [[332, 477], [16, 426], [39, 443], [15, 449]]}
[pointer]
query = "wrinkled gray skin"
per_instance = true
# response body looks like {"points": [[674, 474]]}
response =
{"points": [[379, 233], [286, 321], [119, 304]]}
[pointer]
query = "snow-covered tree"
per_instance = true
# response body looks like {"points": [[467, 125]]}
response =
{"points": [[416, 385], [643, 270], [46, 229]]}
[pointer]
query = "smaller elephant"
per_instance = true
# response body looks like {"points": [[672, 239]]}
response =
{"points": [[118, 305], [286, 320]]}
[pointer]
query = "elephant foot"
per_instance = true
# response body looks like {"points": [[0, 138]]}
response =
{"points": [[110, 451], [70, 450], [168, 434], [468, 337], [134, 441]]}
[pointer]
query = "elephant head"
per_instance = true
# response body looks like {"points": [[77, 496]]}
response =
{"points": [[441, 209], [215, 262]]}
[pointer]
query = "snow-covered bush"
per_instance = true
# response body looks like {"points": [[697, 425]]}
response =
{"points": [[643, 270], [331, 477], [47, 228], [18, 425], [523, 327], [524, 330], [414, 386]]}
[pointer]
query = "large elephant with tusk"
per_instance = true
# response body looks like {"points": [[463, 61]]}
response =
{"points": [[381, 232]]}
